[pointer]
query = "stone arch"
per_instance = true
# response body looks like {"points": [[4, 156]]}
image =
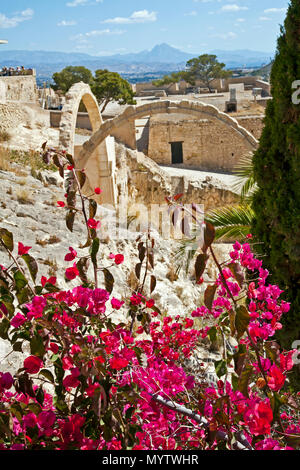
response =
{"points": [[67, 128], [100, 165], [127, 118]]}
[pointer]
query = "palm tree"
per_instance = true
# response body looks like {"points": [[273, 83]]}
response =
{"points": [[232, 222], [235, 221]]}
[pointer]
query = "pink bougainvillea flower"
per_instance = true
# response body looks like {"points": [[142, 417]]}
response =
{"points": [[6, 380], [46, 419], [33, 364], [94, 224], [136, 299], [72, 273], [150, 303], [61, 204], [111, 256], [98, 191], [71, 255], [118, 363], [275, 378], [75, 349], [119, 259], [23, 250], [116, 304], [52, 280], [30, 420], [54, 348], [71, 381], [67, 363], [18, 320]]}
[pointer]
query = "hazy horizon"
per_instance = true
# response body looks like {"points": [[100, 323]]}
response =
{"points": [[110, 27]]}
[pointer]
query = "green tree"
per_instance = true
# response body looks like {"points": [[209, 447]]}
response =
{"points": [[204, 68], [110, 86], [276, 163], [71, 75]]}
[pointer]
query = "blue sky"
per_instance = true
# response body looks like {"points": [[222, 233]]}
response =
{"points": [[104, 27]]}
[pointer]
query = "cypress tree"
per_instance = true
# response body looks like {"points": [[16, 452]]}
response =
{"points": [[277, 173]]}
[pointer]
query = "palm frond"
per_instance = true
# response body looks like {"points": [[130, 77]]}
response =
{"points": [[244, 182], [231, 222]]}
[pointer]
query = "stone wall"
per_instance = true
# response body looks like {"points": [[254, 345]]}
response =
{"points": [[207, 143], [83, 120], [147, 183], [253, 124], [20, 88], [29, 116]]}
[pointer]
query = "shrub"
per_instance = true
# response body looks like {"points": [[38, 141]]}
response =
{"points": [[91, 383]]}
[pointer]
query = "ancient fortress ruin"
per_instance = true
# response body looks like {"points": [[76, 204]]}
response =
{"points": [[179, 133]]}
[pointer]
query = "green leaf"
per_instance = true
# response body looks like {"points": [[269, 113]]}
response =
{"points": [[209, 235], [212, 334], [94, 250], [34, 408], [4, 328], [17, 411], [92, 208], [152, 284], [138, 268], [61, 406], [18, 346], [23, 296], [82, 267], [200, 265], [40, 395], [20, 280], [48, 375], [70, 218], [7, 238], [209, 296], [37, 347], [242, 320], [244, 380], [32, 266], [81, 178], [221, 368], [109, 280]]}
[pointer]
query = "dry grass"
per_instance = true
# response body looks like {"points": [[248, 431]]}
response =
{"points": [[171, 274], [4, 160], [22, 158], [53, 267], [24, 196], [4, 136], [132, 281]]}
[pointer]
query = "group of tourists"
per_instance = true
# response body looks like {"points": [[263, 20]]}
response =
{"points": [[11, 71]]}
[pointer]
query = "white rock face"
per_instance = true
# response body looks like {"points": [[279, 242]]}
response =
{"points": [[28, 209]]}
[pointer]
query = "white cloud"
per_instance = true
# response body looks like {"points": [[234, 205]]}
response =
{"points": [[225, 36], [233, 7], [67, 23], [82, 38], [191, 13], [77, 3], [142, 16], [13, 21], [275, 10], [264, 18]]}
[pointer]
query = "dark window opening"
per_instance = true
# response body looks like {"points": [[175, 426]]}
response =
{"points": [[177, 152]]}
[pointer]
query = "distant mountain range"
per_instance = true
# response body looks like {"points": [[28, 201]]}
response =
{"points": [[161, 58]]}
